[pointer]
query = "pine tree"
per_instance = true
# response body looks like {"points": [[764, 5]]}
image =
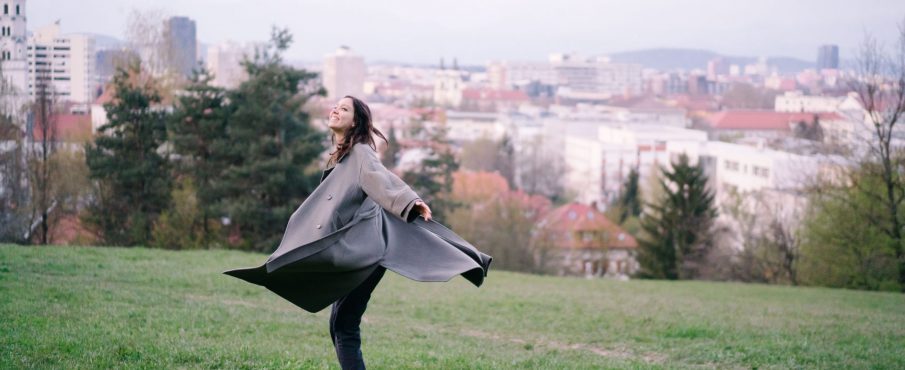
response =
{"points": [[132, 177], [677, 231], [505, 162], [391, 154], [629, 202], [271, 144], [433, 179], [197, 132]]}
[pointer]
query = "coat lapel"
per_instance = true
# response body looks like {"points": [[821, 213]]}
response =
{"points": [[327, 171]]}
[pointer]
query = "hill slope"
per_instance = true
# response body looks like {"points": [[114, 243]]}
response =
{"points": [[66, 307]]}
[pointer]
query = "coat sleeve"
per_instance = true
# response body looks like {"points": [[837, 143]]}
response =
{"points": [[384, 187]]}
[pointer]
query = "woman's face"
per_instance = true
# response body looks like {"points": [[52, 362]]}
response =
{"points": [[342, 115]]}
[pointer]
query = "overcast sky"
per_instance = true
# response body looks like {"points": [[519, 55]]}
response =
{"points": [[475, 31]]}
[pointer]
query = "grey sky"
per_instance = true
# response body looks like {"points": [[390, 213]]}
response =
{"points": [[422, 31]]}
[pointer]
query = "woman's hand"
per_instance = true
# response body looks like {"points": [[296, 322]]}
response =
{"points": [[423, 209]]}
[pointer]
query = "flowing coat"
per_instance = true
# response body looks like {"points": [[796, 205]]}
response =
{"points": [[358, 218]]}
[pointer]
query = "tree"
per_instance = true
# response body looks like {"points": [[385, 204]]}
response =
{"points": [[270, 162], [539, 170], [432, 179], [767, 228], [812, 131], [391, 154], [197, 133], [844, 246], [628, 204], [746, 96], [42, 171], [485, 154], [13, 172], [480, 155], [870, 194], [505, 159], [131, 175], [497, 220], [678, 229]]}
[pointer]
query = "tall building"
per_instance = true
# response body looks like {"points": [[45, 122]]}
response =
{"points": [[182, 44], [13, 60], [828, 57], [66, 63], [344, 73]]}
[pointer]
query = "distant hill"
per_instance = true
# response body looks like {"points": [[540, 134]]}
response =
{"points": [[688, 59]]}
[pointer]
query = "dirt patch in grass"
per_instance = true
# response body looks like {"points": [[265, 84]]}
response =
{"points": [[620, 353]]}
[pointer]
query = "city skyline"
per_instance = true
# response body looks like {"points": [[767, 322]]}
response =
{"points": [[475, 33]]}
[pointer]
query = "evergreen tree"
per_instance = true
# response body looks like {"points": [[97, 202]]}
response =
{"points": [[629, 202], [132, 177], [433, 179], [391, 154], [271, 147], [677, 231], [505, 162], [197, 133]]}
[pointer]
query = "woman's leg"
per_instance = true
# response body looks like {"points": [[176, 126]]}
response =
{"points": [[345, 319]]}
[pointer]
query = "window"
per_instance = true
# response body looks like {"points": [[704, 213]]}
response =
{"points": [[762, 172], [5, 9], [732, 165], [17, 10]]}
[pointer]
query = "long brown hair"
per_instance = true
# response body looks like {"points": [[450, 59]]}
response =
{"points": [[360, 131]]}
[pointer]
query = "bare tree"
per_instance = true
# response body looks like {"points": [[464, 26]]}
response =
{"points": [[145, 35], [41, 166], [539, 171], [880, 87], [767, 232]]}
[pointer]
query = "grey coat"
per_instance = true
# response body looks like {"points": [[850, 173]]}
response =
{"points": [[358, 218]]}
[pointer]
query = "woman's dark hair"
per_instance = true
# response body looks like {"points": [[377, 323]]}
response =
{"points": [[360, 131]]}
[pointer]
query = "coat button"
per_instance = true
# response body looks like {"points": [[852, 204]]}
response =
{"points": [[329, 196], [318, 226]]}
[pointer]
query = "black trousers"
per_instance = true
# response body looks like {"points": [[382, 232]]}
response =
{"points": [[345, 319]]}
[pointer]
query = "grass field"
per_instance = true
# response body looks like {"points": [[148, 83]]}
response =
{"points": [[83, 307]]}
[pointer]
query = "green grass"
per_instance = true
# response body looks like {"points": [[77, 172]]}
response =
{"points": [[83, 307]]}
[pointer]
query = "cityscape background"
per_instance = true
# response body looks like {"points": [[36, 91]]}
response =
{"points": [[573, 113]]}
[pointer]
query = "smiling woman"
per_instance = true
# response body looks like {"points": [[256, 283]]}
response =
{"points": [[361, 220]]}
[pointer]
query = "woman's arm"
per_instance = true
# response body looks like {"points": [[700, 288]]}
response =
{"points": [[387, 189]]}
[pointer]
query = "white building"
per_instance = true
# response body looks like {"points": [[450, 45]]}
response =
{"points": [[66, 62], [600, 157], [224, 61], [796, 102], [768, 184], [470, 126], [13, 56], [448, 87], [344, 73]]}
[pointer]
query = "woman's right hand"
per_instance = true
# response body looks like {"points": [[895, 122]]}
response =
{"points": [[423, 209]]}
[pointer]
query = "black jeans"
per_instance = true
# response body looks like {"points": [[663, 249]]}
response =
{"points": [[346, 318]]}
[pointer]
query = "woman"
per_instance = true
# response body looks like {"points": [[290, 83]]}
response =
{"points": [[361, 220]]}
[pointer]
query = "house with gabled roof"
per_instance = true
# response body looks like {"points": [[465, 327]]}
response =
{"points": [[578, 240]]}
